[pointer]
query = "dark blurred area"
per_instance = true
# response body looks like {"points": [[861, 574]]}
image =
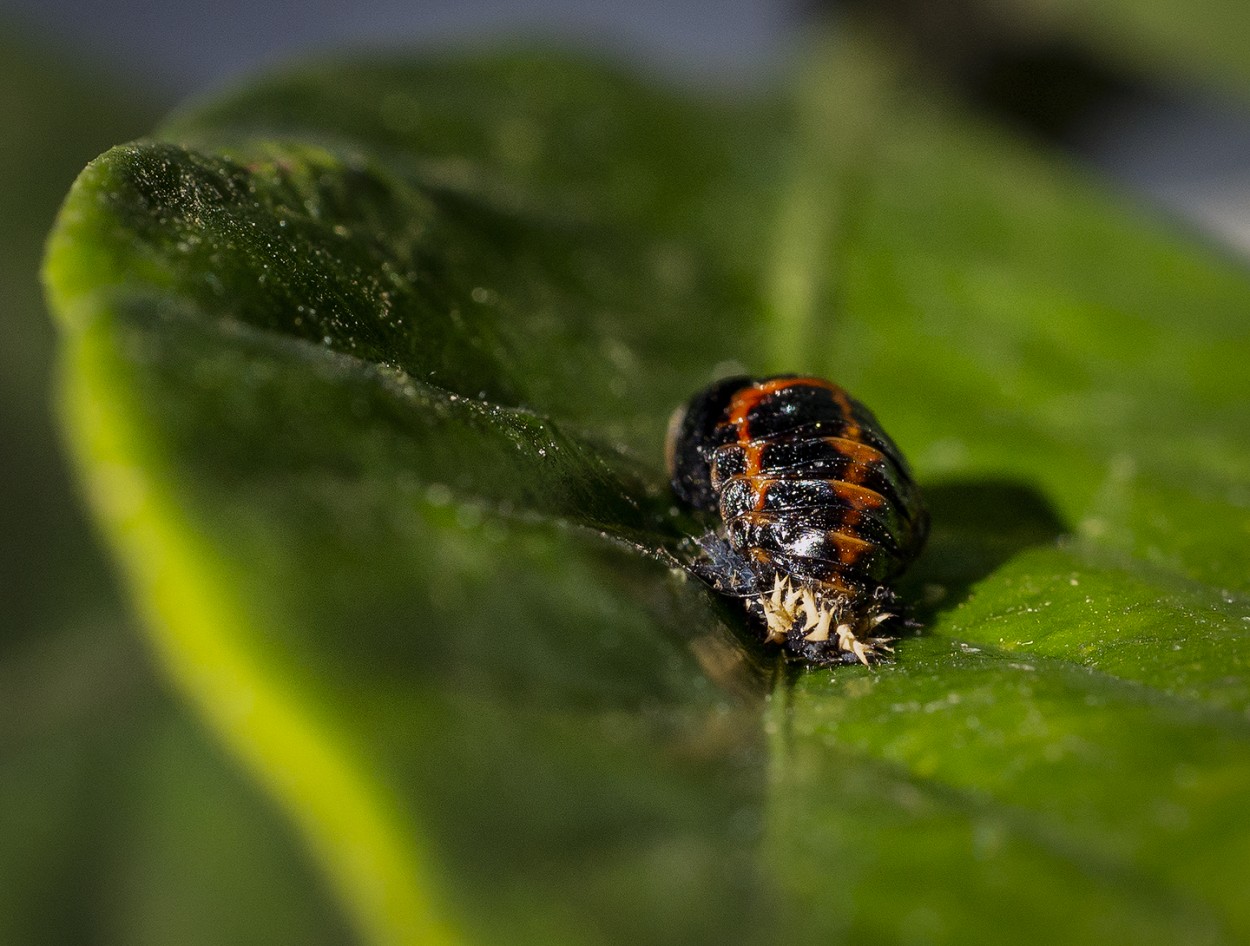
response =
{"points": [[121, 821], [1177, 140], [1043, 84]]}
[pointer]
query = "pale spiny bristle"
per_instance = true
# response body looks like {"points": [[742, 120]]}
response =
{"points": [[821, 618]]}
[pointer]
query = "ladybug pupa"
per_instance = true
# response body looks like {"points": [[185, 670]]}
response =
{"points": [[817, 510]]}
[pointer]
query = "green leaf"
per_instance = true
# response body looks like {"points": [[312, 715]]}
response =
{"points": [[367, 368], [120, 822]]}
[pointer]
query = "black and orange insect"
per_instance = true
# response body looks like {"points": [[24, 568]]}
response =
{"points": [[818, 510]]}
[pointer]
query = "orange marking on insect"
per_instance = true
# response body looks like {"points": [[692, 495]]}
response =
{"points": [[842, 539], [740, 408], [850, 548], [761, 490], [749, 397], [753, 458], [857, 497], [862, 455], [853, 473], [745, 400], [858, 453], [860, 497], [843, 401]]}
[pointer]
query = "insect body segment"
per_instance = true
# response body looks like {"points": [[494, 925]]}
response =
{"points": [[818, 509]]}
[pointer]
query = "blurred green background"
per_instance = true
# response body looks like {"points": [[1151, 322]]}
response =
{"points": [[121, 820]]}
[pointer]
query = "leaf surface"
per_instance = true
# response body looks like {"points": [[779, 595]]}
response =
{"points": [[368, 367]]}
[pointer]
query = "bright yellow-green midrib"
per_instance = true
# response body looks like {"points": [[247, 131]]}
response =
{"points": [[203, 635]]}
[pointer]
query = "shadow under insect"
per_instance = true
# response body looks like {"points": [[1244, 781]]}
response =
{"points": [[976, 525]]}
